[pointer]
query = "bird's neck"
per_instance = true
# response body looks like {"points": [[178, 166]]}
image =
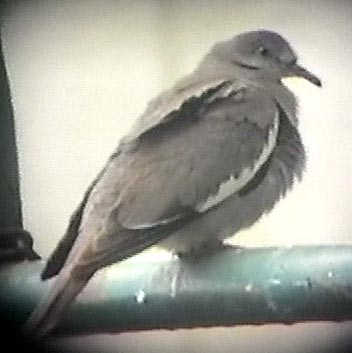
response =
{"points": [[211, 70], [212, 67]]}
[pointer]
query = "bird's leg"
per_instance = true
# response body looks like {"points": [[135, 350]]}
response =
{"points": [[206, 249]]}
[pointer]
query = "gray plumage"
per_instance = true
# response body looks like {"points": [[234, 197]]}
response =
{"points": [[206, 159]]}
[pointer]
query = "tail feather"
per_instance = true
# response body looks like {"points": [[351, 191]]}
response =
{"points": [[83, 260], [52, 307]]}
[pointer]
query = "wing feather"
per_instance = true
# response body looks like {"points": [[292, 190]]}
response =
{"points": [[185, 162], [178, 155]]}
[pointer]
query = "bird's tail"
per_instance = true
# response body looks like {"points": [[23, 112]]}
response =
{"points": [[51, 308]]}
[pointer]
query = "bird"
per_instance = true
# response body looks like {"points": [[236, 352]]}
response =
{"points": [[207, 158]]}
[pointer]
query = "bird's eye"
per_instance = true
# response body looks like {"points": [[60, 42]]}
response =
{"points": [[263, 51]]}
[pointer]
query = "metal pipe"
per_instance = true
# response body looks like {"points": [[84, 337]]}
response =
{"points": [[244, 286]]}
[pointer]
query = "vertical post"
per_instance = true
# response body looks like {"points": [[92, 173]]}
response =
{"points": [[15, 242], [10, 206]]}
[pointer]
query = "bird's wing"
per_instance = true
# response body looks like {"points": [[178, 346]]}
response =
{"points": [[187, 160], [158, 112], [58, 257], [162, 109], [211, 148]]}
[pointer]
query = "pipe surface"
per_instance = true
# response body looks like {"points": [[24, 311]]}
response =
{"points": [[240, 286]]}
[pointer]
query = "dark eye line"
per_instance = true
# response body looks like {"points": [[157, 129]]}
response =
{"points": [[246, 66]]}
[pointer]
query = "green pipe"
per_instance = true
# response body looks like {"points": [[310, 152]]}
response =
{"points": [[233, 287]]}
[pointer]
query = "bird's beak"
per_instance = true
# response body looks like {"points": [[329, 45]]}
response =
{"points": [[298, 71]]}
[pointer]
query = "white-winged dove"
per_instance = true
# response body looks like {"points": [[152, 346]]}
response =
{"points": [[206, 159]]}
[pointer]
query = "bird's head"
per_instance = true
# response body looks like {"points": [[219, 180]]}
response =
{"points": [[262, 54]]}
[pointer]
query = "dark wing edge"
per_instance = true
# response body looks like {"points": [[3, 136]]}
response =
{"points": [[111, 249], [57, 259], [162, 109]]}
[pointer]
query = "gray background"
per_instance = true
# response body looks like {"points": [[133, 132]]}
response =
{"points": [[82, 71]]}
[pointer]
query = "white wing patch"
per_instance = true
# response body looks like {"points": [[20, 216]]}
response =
{"points": [[171, 100], [234, 184], [151, 224]]}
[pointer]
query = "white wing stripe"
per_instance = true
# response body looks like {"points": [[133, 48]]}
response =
{"points": [[169, 102], [234, 184]]}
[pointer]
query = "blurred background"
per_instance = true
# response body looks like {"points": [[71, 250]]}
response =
{"points": [[81, 72]]}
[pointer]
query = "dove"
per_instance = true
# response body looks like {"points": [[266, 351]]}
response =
{"points": [[207, 158]]}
